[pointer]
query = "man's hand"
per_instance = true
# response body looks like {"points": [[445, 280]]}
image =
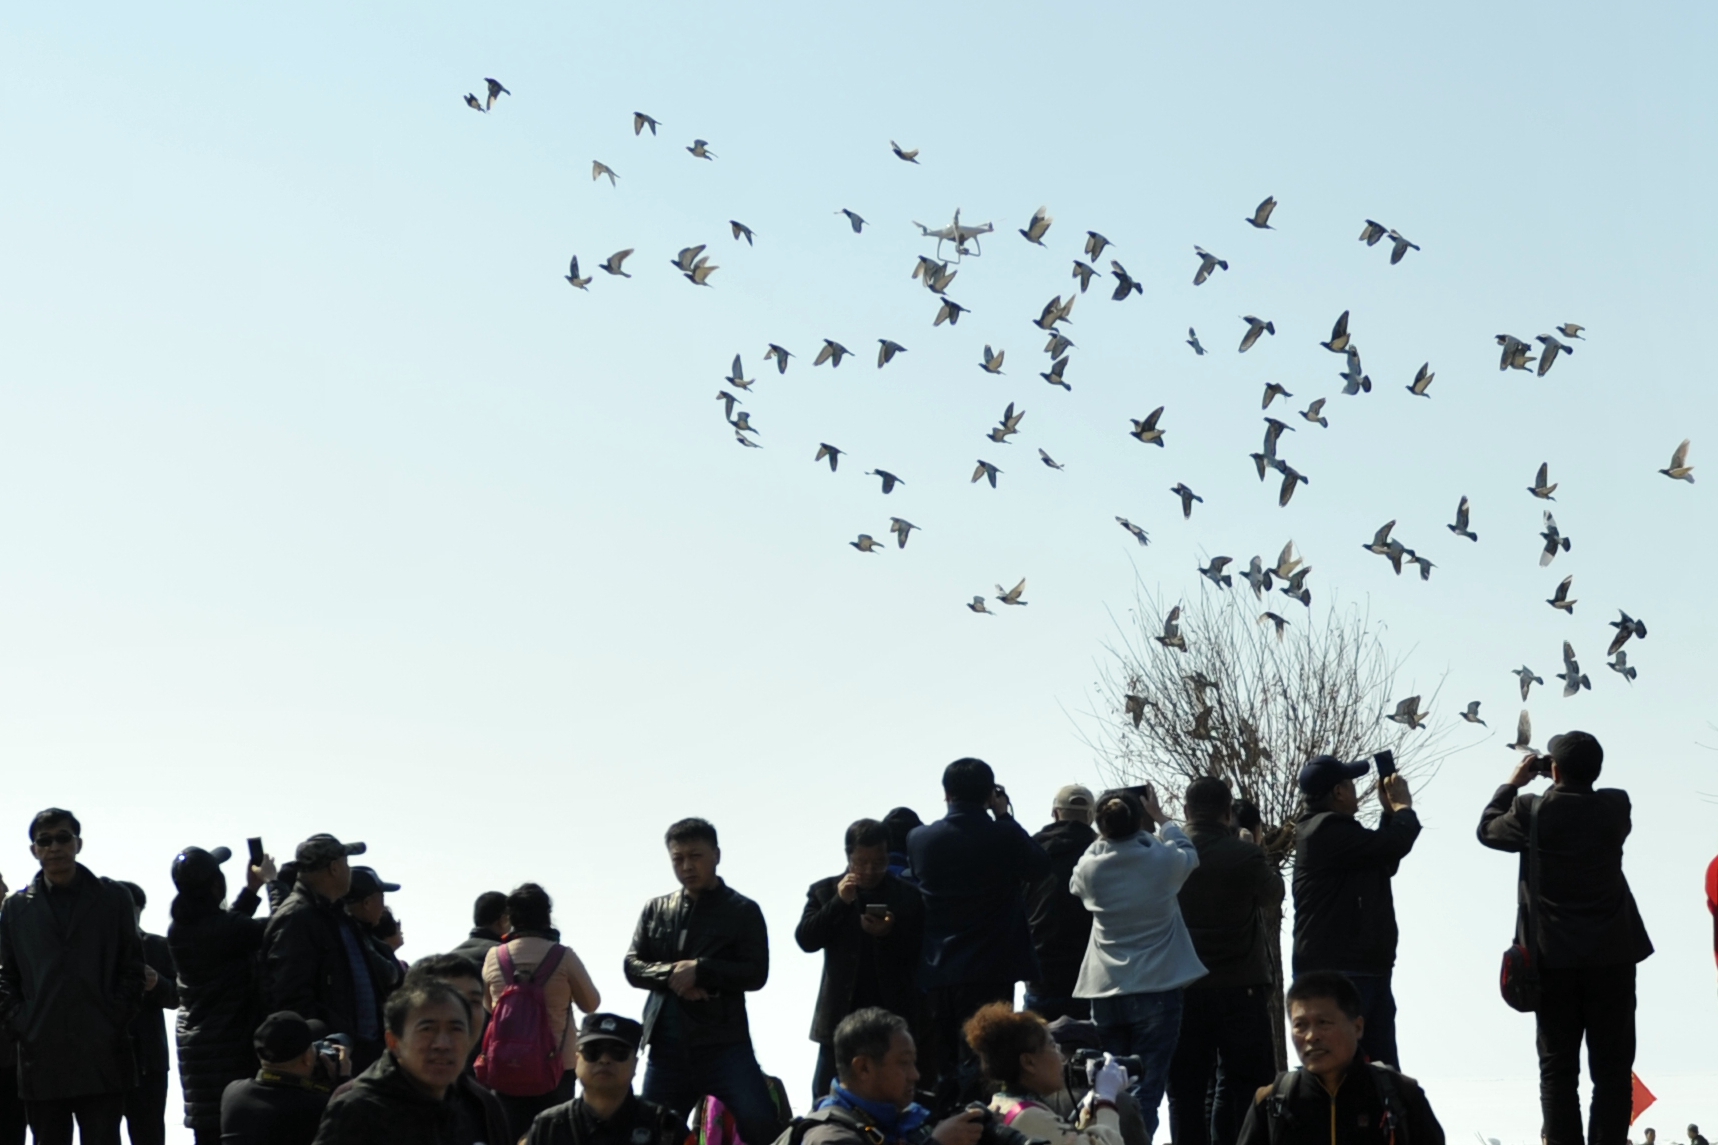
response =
{"points": [[848, 888], [961, 1129], [261, 873], [1393, 793], [150, 977], [877, 927], [1153, 808], [1524, 772], [684, 978], [999, 803]]}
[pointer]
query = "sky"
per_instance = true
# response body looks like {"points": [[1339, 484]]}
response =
{"points": [[328, 505]]}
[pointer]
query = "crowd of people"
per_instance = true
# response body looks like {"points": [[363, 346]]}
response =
{"points": [[1144, 946]]}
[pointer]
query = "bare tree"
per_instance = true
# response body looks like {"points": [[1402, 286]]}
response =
{"points": [[1233, 694]]}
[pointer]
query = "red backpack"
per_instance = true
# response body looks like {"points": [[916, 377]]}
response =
{"points": [[521, 1057]]}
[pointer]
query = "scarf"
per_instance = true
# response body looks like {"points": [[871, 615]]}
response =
{"points": [[896, 1124]]}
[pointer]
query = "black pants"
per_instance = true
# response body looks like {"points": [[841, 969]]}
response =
{"points": [[146, 1110], [1223, 1057], [12, 1119], [98, 1116], [959, 1079], [1595, 1002]]}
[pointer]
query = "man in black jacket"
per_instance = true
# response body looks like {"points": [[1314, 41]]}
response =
{"points": [[1336, 1098], [1225, 1050], [317, 962], [1060, 924], [283, 1103], [605, 1112], [698, 951], [71, 979], [870, 926], [488, 927], [1344, 914], [146, 1104], [1589, 933]]}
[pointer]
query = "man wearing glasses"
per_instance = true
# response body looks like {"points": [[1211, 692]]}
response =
{"points": [[606, 1112], [71, 979]]}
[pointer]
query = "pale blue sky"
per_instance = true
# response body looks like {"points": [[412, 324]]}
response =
{"points": [[329, 506]]}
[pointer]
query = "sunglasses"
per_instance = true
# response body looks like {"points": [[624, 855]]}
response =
{"points": [[599, 1051], [57, 839]]}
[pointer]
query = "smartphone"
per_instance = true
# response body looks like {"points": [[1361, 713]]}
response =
{"points": [[256, 851], [1386, 762], [877, 909]]}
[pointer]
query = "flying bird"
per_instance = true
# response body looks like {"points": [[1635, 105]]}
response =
{"points": [[1187, 498], [1354, 379], [1515, 354], [1573, 680], [1033, 232], [1273, 391], [1274, 429], [824, 449], [742, 422], [832, 353], [1054, 374], [1422, 381], [1679, 469], [1381, 542], [1291, 478], [1135, 708], [1372, 232], [907, 156], [1523, 728], [1277, 619], [1409, 714], [1460, 528], [865, 544], [1262, 214], [977, 605], [1193, 341], [496, 91], [599, 169], [1527, 678], [1139, 534], [1010, 425], [746, 441], [612, 263], [700, 272], [1207, 263], [1258, 577], [1539, 488], [1012, 596], [1549, 354], [1215, 574], [857, 223], [1620, 665], [728, 408], [572, 274], [900, 528], [1172, 637], [987, 471], [1255, 328], [1095, 244], [1146, 431], [950, 312], [1571, 330], [1049, 461], [1626, 627], [701, 150], [1287, 562], [640, 121], [1085, 273], [1401, 247], [992, 363], [1055, 311], [886, 351], [889, 479], [741, 231], [738, 379], [1125, 283], [687, 258], [1554, 540], [1471, 715], [1338, 336], [1315, 413], [780, 355], [1058, 344], [1560, 600], [474, 103]]}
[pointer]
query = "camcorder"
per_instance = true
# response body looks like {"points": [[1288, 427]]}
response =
{"points": [[1084, 1059], [333, 1054]]}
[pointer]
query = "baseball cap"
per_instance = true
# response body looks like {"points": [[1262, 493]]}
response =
{"points": [[366, 882], [610, 1028], [284, 1036], [318, 851], [1074, 797], [195, 867], [1323, 772]]}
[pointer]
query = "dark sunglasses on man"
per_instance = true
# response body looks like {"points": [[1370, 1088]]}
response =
{"points": [[612, 1051], [55, 839]]}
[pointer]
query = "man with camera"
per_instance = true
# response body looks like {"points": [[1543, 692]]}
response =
{"points": [[1344, 913], [283, 1103], [971, 866], [1060, 923], [1587, 935]]}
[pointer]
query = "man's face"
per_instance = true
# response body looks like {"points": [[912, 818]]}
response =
{"points": [[56, 848], [1344, 798], [1325, 1038], [367, 910], [891, 1078], [612, 1069], [434, 1045], [695, 864], [869, 864]]}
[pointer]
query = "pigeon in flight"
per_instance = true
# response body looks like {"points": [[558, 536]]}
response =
{"points": [[1679, 469], [1207, 263], [1054, 374], [612, 263], [1315, 413], [742, 422], [730, 401], [1135, 706], [1146, 431], [640, 121], [950, 312], [1287, 562], [701, 150], [1422, 381], [1560, 601], [1085, 272], [900, 527], [1460, 528], [1401, 247], [1523, 731], [992, 363], [886, 351], [1049, 461], [572, 275], [1372, 232], [1258, 577], [741, 231], [1338, 336], [1471, 715], [977, 605], [746, 441], [1549, 354], [1291, 478], [1277, 619], [599, 169], [1055, 311], [1172, 637], [987, 471], [1626, 627], [1571, 330], [1620, 665], [1193, 341], [1273, 430], [1095, 244], [1273, 391], [688, 257], [1409, 714], [904, 155], [1215, 574], [1125, 283], [865, 544], [857, 223], [1554, 540], [1573, 680], [1010, 425], [1012, 596], [1058, 345], [1515, 354], [824, 449], [1033, 232], [780, 355], [474, 103], [1139, 534], [1187, 498], [1255, 328], [832, 353], [1539, 488], [700, 272], [1354, 379], [1261, 217], [1527, 678], [496, 91], [737, 379], [889, 479]]}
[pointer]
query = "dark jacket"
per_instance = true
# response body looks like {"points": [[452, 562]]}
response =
{"points": [[272, 1109], [306, 968], [971, 869], [384, 1106], [1060, 923], [1310, 1115], [217, 953], [477, 945], [1587, 915], [149, 1028], [1344, 915], [636, 1122], [69, 991], [887, 965], [1226, 903], [724, 932]]}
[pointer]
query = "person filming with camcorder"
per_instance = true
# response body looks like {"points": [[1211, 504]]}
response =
{"points": [[283, 1104]]}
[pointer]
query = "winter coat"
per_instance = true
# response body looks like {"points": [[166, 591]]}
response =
{"points": [[1139, 943], [69, 991], [1344, 913], [149, 1028], [1226, 902], [971, 870], [306, 968], [1060, 923], [891, 962], [220, 1000], [384, 1106], [724, 932]]}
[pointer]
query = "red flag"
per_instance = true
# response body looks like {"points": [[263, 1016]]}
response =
{"points": [[1712, 902], [1643, 1098]]}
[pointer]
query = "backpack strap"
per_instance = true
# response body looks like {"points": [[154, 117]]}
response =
{"points": [[1390, 1093], [546, 968], [1275, 1097], [1021, 1106], [796, 1132], [505, 961]]}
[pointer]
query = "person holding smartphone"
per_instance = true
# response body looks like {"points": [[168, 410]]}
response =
{"points": [[869, 925]]}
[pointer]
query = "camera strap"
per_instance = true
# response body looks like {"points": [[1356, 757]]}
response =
{"points": [[1530, 937]]}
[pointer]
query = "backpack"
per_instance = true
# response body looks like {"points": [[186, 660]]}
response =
{"points": [[1395, 1112], [795, 1133], [521, 1057]]}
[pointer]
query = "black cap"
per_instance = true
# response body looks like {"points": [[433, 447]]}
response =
{"points": [[610, 1028], [318, 851], [194, 867], [1323, 772], [366, 882], [284, 1036]]}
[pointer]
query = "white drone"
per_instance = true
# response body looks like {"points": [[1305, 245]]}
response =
{"points": [[957, 234]]}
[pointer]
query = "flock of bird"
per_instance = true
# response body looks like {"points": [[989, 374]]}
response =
{"points": [[937, 274]]}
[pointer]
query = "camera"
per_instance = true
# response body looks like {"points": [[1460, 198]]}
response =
{"points": [[1247, 814], [333, 1058], [1083, 1059], [994, 1131], [1541, 764]]}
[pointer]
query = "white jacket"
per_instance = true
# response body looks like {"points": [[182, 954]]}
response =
{"points": [[1139, 944]]}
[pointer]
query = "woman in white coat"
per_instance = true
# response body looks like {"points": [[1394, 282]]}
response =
{"points": [[1140, 955]]}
